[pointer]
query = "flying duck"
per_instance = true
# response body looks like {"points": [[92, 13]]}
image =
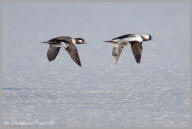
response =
{"points": [[124, 40], [68, 43]]}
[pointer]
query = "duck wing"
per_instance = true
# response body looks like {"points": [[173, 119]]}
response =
{"points": [[72, 50], [52, 52], [116, 52], [137, 50]]}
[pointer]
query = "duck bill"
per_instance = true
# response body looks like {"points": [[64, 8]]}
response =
{"points": [[111, 41]]}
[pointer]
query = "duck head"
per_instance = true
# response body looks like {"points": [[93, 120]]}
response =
{"points": [[146, 37], [79, 41]]}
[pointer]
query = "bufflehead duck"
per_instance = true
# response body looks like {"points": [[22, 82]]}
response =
{"points": [[124, 40], [68, 43]]}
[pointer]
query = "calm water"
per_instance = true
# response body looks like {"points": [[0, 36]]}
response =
{"points": [[155, 93]]}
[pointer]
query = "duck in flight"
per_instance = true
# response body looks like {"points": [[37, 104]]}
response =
{"points": [[129, 39], [68, 43]]}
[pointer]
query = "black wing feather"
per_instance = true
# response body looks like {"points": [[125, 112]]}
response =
{"points": [[123, 36], [137, 50], [72, 50], [52, 52]]}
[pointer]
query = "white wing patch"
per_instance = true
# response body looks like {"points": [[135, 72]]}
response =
{"points": [[64, 44]]}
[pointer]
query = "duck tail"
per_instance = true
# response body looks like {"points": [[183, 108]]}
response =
{"points": [[45, 42]]}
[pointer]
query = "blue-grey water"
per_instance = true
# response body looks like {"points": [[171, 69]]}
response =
{"points": [[155, 93]]}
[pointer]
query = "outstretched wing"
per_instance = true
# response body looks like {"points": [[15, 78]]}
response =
{"points": [[72, 50], [116, 52], [123, 36], [137, 50], [52, 52]]}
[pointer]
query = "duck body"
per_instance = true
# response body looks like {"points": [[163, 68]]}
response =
{"points": [[128, 39], [68, 43]]}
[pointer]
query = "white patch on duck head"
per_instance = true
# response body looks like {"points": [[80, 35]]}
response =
{"points": [[146, 36], [80, 40]]}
